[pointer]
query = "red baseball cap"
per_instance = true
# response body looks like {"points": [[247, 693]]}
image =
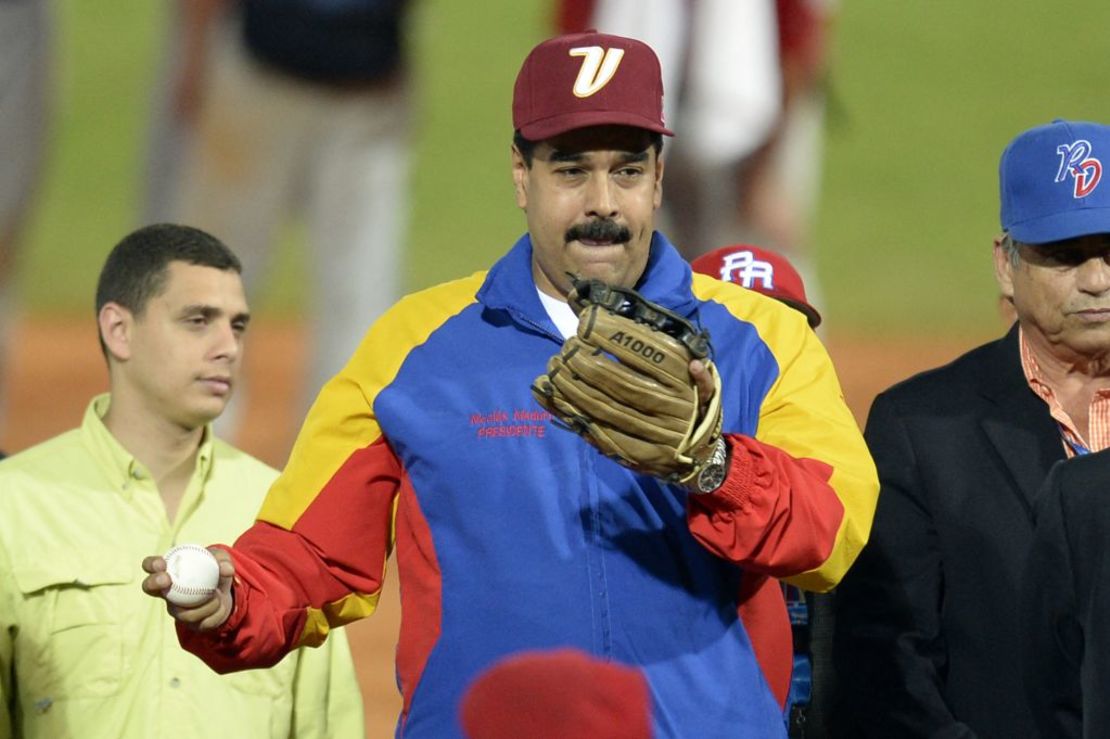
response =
{"points": [[588, 79], [761, 270], [559, 694]]}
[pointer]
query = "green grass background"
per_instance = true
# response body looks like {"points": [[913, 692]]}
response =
{"points": [[925, 96]]}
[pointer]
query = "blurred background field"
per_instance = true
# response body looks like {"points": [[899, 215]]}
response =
{"points": [[925, 95]]}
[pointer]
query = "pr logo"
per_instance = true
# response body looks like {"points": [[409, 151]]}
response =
{"points": [[1076, 160], [747, 270], [598, 67]]}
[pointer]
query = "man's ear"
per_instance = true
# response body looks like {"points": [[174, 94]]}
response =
{"points": [[520, 178], [1003, 269], [116, 324]]}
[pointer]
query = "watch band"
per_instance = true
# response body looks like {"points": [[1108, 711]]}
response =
{"points": [[713, 474]]}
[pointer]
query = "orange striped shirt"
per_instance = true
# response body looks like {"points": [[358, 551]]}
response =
{"points": [[1097, 437]]}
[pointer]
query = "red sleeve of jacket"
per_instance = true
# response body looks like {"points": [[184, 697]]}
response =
{"points": [[801, 489], [315, 559], [774, 514], [292, 585]]}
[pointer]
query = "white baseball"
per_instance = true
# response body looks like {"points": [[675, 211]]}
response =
{"points": [[195, 574]]}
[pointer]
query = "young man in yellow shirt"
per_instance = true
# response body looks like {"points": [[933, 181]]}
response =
{"points": [[83, 653]]}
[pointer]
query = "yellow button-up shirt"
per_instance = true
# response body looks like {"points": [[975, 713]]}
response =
{"points": [[85, 653]]}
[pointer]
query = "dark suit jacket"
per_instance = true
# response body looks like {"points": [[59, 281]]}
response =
{"points": [[926, 640], [1066, 603]]}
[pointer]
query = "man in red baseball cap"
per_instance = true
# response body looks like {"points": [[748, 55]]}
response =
{"points": [[587, 105], [511, 534], [762, 270]]}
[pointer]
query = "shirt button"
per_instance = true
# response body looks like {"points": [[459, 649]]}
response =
{"points": [[137, 474], [175, 683]]}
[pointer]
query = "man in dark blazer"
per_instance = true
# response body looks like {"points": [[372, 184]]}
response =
{"points": [[927, 637], [1066, 602]]}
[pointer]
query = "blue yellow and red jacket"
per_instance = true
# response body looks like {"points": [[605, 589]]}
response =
{"points": [[511, 533]]}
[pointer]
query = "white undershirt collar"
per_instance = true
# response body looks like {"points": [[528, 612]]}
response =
{"points": [[561, 314]]}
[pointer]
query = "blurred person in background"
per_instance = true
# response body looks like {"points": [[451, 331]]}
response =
{"points": [[283, 108], [83, 653], [749, 84], [927, 636], [26, 30], [174, 97]]}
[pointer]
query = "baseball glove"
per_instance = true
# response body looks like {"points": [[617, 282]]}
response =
{"points": [[623, 383]]}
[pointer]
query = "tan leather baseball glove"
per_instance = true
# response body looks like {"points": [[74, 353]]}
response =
{"points": [[623, 383]]}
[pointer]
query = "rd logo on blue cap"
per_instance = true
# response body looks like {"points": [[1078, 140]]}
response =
{"points": [[1076, 160]]}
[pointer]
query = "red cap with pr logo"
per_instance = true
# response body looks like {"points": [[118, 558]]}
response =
{"points": [[557, 694], [588, 79], [761, 270]]}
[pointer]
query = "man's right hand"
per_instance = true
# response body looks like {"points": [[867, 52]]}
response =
{"points": [[206, 616]]}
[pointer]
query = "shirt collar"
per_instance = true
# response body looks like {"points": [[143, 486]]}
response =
{"points": [[560, 313], [1030, 368], [1098, 433], [120, 466]]}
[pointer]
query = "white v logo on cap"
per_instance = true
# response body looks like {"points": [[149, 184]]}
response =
{"points": [[598, 67]]}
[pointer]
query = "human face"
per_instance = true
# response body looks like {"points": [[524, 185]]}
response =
{"points": [[179, 358], [590, 198], [1061, 294]]}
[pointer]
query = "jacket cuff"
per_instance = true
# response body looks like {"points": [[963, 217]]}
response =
{"points": [[734, 494]]}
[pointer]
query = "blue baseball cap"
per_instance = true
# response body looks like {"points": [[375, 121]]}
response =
{"points": [[1050, 178]]}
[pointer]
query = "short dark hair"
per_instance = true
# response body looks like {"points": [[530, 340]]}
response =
{"points": [[136, 268], [527, 147]]}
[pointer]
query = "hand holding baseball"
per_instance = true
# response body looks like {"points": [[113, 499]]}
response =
{"points": [[195, 583]]}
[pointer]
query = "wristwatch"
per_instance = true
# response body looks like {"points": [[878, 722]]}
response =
{"points": [[712, 475]]}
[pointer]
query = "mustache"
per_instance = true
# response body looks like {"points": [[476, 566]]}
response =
{"points": [[602, 229]]}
